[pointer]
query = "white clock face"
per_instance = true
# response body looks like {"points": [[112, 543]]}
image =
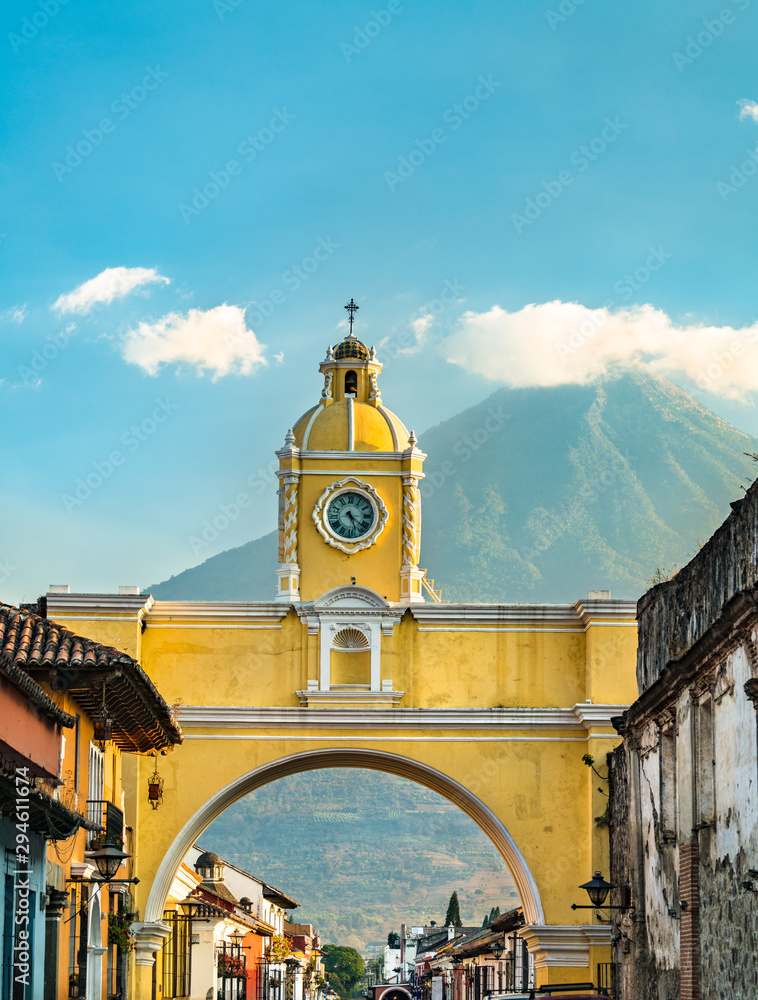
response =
{"points": [[351, 515]]}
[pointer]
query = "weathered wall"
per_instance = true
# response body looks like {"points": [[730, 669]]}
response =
{"points": [[684, 783], [674, 615], [646, 942], [728, 931]]}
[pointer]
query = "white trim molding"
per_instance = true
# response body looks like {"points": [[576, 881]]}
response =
{"points": [[564, 945], [582, 717]]}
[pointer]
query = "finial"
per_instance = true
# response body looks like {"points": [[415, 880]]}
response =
{"points": [[412, 439], [372, 352], [289, 439], [352, 308], [330, 353]]}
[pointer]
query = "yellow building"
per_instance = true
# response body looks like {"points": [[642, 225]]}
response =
{"points": [[355, 662]]}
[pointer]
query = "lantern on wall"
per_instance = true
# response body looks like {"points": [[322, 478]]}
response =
{"points": [[155, 788], [103, 725]]}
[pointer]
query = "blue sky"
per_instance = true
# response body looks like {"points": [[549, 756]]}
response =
{"points": [[579, 180]]}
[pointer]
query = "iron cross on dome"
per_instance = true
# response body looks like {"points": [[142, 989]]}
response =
{"points": [[352, 308]]}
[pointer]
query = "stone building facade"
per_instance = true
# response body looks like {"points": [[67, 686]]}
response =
{"points": [[684, 781]]}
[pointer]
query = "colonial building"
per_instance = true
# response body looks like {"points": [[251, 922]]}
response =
{"points": [[684, 783], [73, 712], [227, 935], [356, 662], [492, 959]]}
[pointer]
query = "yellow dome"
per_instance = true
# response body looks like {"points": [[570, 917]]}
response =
{"points": [[328, 428]]}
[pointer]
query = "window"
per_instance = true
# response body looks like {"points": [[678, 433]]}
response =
{"points": [[704, 763], [351, 383], [96, 785], [668, 782], [77, 759]]}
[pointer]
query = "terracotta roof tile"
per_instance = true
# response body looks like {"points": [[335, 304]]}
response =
{"points": [[143, 722]]}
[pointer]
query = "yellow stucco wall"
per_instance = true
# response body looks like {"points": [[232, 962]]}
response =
{"points": [[504, 700]]}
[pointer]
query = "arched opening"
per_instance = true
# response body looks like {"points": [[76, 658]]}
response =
{"points": [[351, 383], [394, 993], [377, 760]]}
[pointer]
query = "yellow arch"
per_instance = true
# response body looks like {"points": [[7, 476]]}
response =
{"points": [[376, 760]]}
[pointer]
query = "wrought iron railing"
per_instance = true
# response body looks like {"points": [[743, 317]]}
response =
{"points": [[110, 818], [608, 976]]}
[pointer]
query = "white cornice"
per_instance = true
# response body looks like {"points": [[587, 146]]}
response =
{"points": [[569, 617], [352, 699], [591, 715], [580, 717], [116, 607], [362, 456], [219, 614]]}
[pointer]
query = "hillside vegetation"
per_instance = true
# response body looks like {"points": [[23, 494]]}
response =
{"points": [[543, 494], [363, 852]]}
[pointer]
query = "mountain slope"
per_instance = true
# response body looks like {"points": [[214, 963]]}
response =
{"points": [[363, 852], [543, 494]]}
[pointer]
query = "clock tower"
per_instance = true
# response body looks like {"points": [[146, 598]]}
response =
{"points": [[349, 503]]}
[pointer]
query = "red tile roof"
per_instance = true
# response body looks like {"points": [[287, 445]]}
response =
{"points": [[143, 722]]}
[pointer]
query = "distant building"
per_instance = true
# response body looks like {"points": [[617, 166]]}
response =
{"points": [[684, 782], [229, 936], [480, 961]]}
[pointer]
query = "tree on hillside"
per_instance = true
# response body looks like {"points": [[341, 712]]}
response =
{"points": [[453, 915], [346, 964]]}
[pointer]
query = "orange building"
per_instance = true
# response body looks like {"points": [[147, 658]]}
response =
{"points": [[71, 713]]}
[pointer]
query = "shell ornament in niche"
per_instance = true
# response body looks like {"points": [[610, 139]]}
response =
{"points": [[350, 638]]}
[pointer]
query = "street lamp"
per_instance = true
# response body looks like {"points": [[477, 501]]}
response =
{"points": [[497, 949], [108, 860], [236, 938], [597, 889]]}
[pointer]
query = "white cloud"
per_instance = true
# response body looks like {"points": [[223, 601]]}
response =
{"points": [[216, 340], [748, 109], [562, 343], [16, 314], [112, 283]]}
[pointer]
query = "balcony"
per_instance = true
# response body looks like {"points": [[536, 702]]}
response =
{"points": [[110, 819]]}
